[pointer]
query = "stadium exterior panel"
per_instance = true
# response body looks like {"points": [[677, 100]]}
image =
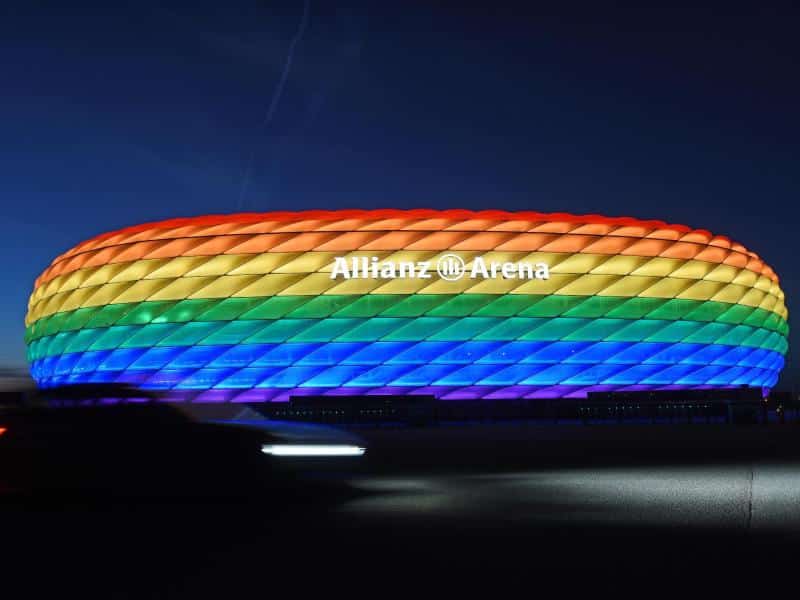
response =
{"points": [[457, 304]]}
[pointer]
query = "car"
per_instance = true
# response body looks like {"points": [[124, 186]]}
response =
{"points": [[146, 447]]}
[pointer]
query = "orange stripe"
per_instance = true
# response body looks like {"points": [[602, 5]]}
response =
{"points": [[448, 229]]}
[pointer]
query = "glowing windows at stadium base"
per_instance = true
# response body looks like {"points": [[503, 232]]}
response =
{"points": [[254, 307]]}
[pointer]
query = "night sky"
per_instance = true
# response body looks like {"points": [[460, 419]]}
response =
{"points": [[125, 114]]}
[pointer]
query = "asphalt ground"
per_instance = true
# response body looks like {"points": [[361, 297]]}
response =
{"points": [[497, 507]]}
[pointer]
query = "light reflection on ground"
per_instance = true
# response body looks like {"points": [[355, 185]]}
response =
{"points": [[728, 496]]}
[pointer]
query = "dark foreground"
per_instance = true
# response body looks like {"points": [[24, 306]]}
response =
{"points": [[456, 508]]}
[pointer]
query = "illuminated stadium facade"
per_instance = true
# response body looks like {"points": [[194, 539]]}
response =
{"points": [[455, 304]]}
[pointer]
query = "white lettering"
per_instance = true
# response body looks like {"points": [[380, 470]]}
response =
{"points": [[450, 267], [388, 271], [542, 271], [340, 268], [479, 269], [407, 269]]}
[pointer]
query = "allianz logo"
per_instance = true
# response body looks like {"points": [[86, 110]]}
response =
{"points": [[450, 267]]}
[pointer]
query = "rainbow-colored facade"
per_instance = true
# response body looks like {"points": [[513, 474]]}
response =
{"points": [[244, 307]]}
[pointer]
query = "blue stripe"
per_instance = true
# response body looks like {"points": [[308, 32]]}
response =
{"points": [[445, 363]]}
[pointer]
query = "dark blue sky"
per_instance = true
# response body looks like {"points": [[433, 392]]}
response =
{"points": [[122, 114]]}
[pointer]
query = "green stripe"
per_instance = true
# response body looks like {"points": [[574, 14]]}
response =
{"points": [[354, 329], [413, 305]]}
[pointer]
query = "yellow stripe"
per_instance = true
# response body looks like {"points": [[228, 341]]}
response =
{"points": [[308, 262], [136, 282], [321, 283]]}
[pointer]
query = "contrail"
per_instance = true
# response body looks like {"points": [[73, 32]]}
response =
{"points": [[276, 96]]}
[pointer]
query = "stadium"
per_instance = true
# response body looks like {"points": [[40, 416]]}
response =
{"points": [[452, 304]]}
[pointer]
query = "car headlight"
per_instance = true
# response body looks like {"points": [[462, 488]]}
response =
{"points": [[312, 450]]}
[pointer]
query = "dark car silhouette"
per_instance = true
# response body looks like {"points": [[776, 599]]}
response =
{"points": [[151, 447]]}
